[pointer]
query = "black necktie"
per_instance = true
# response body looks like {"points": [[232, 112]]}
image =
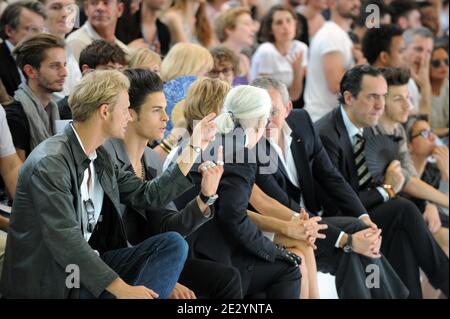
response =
{"points": [[364, 176]]}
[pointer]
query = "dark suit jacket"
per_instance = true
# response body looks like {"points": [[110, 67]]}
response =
{"points": [[142, 223], [313, 168], [9, 74], [231, 237], [335, 138]]}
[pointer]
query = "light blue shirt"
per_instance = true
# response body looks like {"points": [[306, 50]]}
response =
{"points": [[351, 128]]}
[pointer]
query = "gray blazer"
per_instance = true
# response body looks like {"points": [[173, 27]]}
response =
{"points": [[142, 223], [46, 234]]}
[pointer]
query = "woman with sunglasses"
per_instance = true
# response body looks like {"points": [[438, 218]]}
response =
{"points": [[440, 92]]}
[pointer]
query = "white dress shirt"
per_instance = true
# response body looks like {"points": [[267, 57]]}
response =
{"points": [[286, 157], [93, 191]]}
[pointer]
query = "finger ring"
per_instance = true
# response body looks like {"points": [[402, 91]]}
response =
{"points": [[220, 163], [210, 164]]}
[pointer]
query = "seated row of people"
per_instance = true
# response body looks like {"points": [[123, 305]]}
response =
{"points": [[302, 168]]}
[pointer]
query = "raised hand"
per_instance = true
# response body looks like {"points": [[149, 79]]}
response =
{"points": [[440, 154], [296, 60], [204, 132], [211, 174]]}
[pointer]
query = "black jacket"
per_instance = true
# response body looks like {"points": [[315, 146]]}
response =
{"points": [[231, 237], [314, 169], [335, 138], [142, 223], [9, 73]]}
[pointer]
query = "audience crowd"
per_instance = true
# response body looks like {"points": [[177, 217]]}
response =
{"points": [[222, 149]]}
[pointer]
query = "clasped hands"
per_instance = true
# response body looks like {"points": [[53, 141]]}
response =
{"points": [[302, 227]]}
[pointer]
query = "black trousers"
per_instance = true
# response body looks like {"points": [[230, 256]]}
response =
{"points": [[409, 245], [263, 279], [211, 280], [354, 271]]}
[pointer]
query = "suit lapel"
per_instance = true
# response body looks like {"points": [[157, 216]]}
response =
{"points": [[124, 160], [347, 148], [274, 158], [151, 166], [301, 161]]}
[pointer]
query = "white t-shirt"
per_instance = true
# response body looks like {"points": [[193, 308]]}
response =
{"points": [[6, 143], [268, 61], [414, 96], [319, 100]]}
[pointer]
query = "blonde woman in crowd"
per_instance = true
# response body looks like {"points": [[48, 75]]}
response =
{"points": [[188, 22], [145, 59], [204, 95], [184, 63]]}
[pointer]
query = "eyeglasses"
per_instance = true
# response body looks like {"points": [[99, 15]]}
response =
{"points": [[437, 63], [215, 73], [423, 133], [34, 30], [90, 210]]}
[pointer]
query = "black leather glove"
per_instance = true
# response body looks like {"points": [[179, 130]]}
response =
{"points": [[288, 256]]}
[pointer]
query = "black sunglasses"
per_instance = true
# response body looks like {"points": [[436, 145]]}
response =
{"points": [[90, 210], [437, 63]]}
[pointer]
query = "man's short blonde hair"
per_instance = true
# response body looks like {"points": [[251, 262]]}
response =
{"points": [[96, 88]]}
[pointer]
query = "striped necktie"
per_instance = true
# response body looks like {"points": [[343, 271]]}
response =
{"points": [[364, 176]]}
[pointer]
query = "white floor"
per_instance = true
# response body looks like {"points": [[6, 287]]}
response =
{"points": [[327, 287]]}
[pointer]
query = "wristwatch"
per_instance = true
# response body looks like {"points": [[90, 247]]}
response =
{"points": [[197, 149], [348, 247], [208, 200]]}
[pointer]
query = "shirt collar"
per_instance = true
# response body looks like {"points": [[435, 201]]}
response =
{"points": [[91, 31], [287, 131], [352, 130], [91, 156], [10, 46]]}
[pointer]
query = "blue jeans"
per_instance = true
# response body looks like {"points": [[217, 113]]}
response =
{"points": [[156, 263]]}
